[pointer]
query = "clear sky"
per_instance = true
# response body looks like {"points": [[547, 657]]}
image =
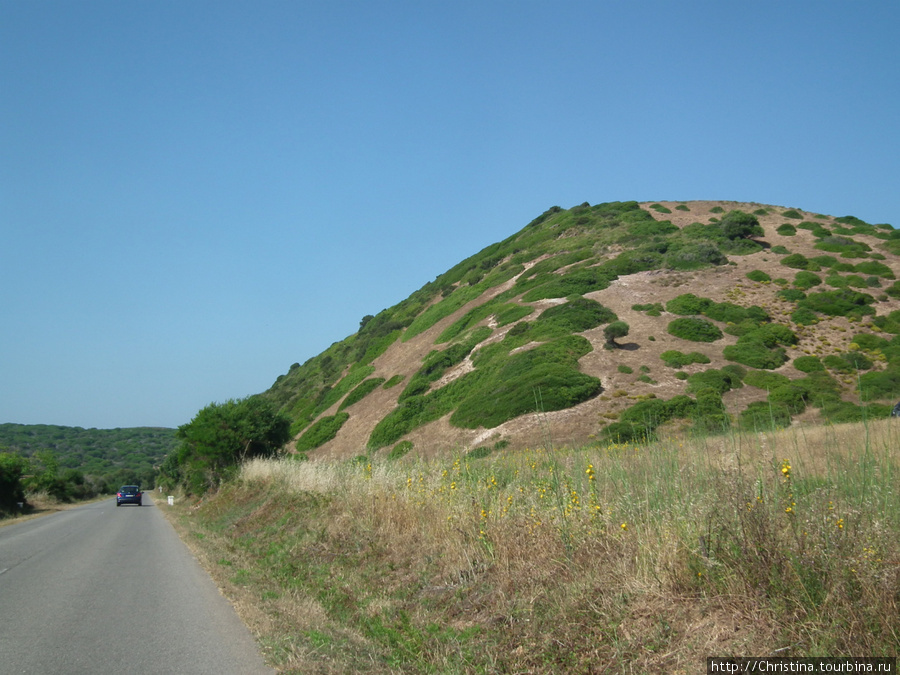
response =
{"points": [[196, 194]]}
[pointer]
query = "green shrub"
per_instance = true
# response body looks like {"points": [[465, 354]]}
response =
{"points": [[841, 302], [762, 379], [575, 316], [805, 280], [762, 415], [817, 229], [755, 354], [660, 208], [837, 281], [761, 347], [808, 364], [402, 448], [857, 360], [639, 422], [682, 207], [790, 397], [792, 213], [717, 209], [709, 414], [697, 330], [693, 256], [511, 313], [780, 250], [804, 317], [622, 368], [790, 294], [758, 275], [675, 359], [652, 309], [740, 225], [825, 261], [875, 268], [836, 363], [543, 378], [688, 304], [321, 432], [786, 230], [576, 282], [718, 381], [394, 381], [870, 342], [880, 384], [363, 389], [842, 245], [799, 261]]}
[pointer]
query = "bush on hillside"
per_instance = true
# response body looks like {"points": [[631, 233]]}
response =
{"points": [[786, 230], [789, 397], [362, 390], [755, 352], [798, 261], [575, 316], [763, 379], [639, 422], [697, 330], [875, 268], [688, 304], [763, 415], [675, 359], [880, 384], [718, 381], [740, 225], [693, 256], [805, 280], [842, 302], [808, 364], [324, 430]]}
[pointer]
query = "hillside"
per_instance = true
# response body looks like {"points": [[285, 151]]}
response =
{"points": [[737, 315]]}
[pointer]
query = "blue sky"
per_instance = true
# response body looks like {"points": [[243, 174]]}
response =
{"points": [[195, 195]]}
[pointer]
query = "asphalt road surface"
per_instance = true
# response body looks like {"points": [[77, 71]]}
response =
{"points": [[105, 589]]}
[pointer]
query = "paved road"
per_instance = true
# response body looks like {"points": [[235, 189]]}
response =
{"points": [[101, 589]]}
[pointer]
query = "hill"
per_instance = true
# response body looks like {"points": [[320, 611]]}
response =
{"points": [[735, 314], [108, 458]]}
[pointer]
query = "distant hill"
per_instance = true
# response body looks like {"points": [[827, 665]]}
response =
{"points": [[735, 314], [113, 456]]}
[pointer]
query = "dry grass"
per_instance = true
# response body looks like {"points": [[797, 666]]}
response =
{"points": [[604, 559]]}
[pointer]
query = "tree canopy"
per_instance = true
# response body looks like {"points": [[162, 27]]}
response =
{"points": [[222, 436]]}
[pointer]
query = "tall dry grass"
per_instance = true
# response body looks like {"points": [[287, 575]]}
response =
{"points": [[654, 555]]}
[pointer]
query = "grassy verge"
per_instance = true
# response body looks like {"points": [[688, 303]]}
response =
{"points": [[606, 559]]}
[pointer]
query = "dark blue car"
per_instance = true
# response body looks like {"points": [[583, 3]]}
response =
{"points": [[128, 494]]}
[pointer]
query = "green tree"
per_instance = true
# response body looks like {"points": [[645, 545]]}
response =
{"points": [[614, 331], [222, 436], [12, 492], [740, 225]]}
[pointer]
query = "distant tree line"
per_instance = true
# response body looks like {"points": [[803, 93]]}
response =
{"points": [[73, 463]]}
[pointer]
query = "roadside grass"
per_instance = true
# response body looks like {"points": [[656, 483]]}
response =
{"points": [[614, 558]]}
